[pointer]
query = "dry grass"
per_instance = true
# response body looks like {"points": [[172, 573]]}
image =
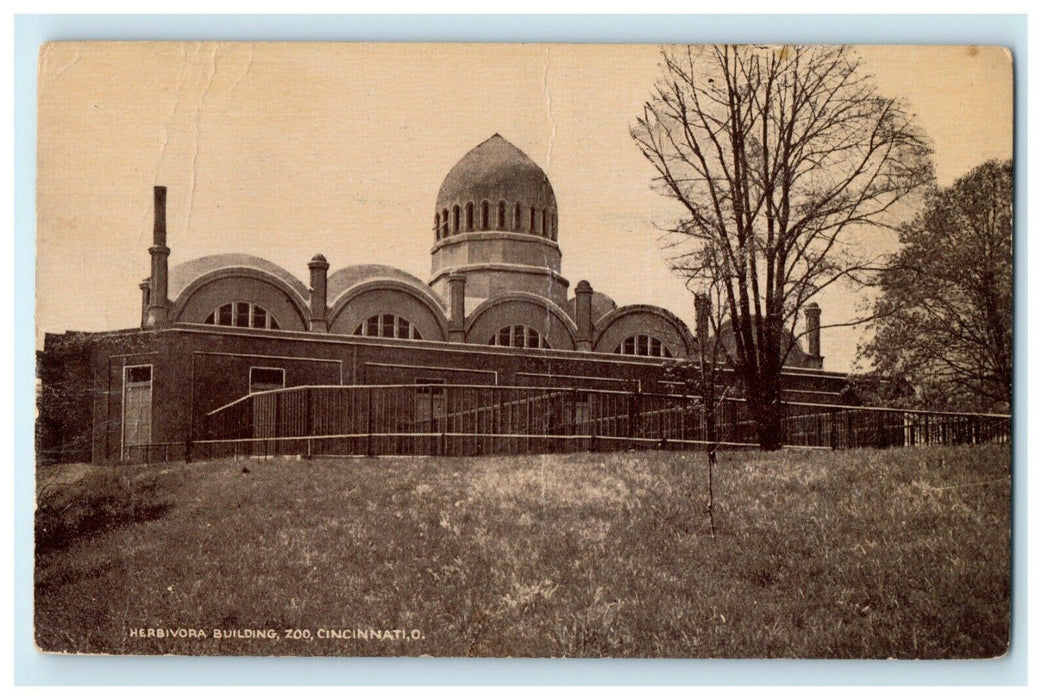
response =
{"points": [[900, 553]]}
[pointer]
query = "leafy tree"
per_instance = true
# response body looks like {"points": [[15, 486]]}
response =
{"points": [[944, 320], [777, 155]]}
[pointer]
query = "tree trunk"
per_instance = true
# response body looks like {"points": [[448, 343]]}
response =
{"points": [[770, 437], [712, 462], [764, 406]]}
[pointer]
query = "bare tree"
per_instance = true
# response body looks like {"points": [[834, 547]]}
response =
{"points": [[704, 378], [777, 154]]}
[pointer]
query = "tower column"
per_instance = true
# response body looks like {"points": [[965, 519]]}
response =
{"points": [[158, 294], [457, 296], [584, 297], [319, 294]]}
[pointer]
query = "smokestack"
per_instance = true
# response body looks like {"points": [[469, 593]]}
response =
{"points": [[319, 294], [457, 293], [584, 300], [812, 330], [159, 251], [160, 216]]}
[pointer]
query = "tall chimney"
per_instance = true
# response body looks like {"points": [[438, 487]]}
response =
{"points": [[812, 330], [319, 294], [584, 316], [159, 251], [457, 293]]}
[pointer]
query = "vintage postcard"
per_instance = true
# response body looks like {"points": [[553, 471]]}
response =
{"points": [[524, 350]]}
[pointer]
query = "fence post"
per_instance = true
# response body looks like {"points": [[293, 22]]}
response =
{"points": [[834, 429], [371, 424], [309, 422], [632, 416]]}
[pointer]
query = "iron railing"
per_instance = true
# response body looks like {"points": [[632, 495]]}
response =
{"points": [[466, 420]]}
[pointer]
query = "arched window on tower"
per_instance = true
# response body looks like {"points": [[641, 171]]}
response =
{"points": [[546, 224], [531, 220], [553, 225], [501, 217], [455, 219], [484, 215], [644, 346], [444, 223], [437, 227], [517, 216], [469, 216]]}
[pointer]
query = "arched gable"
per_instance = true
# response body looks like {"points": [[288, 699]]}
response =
{"points": [[210, 290], [387, 296], [637, 319], [521, 308]]}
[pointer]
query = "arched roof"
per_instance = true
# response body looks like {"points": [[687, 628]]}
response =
{"points": [[634, 318], [341, 281], [602, 323], [494, 170], [490, 315], [184, 274]]}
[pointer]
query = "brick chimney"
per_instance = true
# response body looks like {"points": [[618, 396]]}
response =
{"points": [[457, 294], [812, 330], [319, 294], [702, 304], [144, 285], [584, 316], [157, 314]]}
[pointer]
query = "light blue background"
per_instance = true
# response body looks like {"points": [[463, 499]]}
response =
{"points": [[32, 667]]}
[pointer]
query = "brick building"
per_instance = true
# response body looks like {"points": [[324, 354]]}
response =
{"points": [[496, 311]]}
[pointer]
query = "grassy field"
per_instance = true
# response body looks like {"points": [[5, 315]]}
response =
{"points": [[900, 553]]}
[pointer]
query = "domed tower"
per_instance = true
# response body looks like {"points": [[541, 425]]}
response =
{"points": [[496, 224]]}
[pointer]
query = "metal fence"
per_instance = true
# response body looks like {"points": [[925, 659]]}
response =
{"points": [[466, 420]]}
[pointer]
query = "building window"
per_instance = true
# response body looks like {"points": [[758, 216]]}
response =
{"points": [[546, 224], [501, 216], [531, 220], [242, 314], [388, 326], [455, 219], [437, 227], [469, 216], [484, 215], [265, 379], [643, 345], [429, 400], [444, 223], [519, 336], [517, 216], [553, 225]]}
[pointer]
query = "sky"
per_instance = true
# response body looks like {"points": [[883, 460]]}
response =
{"points": [[286, 150]]}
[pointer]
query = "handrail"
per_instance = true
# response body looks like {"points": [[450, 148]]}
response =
{"points": [[614, 392]]}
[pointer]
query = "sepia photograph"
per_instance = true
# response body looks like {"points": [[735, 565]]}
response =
{"points": [[524, 350]]}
